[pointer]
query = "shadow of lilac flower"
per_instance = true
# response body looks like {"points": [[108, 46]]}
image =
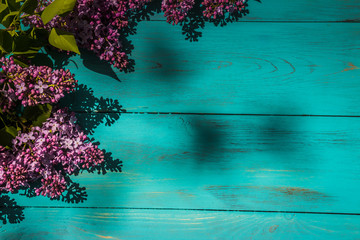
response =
{"points": [[74, 193], [90, 110], [10, 212], [109, 165], [195, 21]]}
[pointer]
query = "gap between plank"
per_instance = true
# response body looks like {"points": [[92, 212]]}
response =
{"points": [[280, 21], [222, 114], [192, 209]]}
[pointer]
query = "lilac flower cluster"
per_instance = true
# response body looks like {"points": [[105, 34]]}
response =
{"points": [[217, 8], [47, 155], [176, 10], [32, 85], [96, 25]]}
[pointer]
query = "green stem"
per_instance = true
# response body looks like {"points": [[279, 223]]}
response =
{"points": [[3, 121]]}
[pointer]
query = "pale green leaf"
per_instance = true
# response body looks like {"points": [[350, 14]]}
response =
{"points": [[63, 40], [58, 7]]}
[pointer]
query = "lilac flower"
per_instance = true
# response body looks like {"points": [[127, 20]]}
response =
{"points": [[67, 143], [39, 142], [31, 136], [55, 127], [49, 155], [218, 8], [21, 139], [96, 25], [176, 10], [77, 142], [21, 88], [40, 87], [33, 85]]}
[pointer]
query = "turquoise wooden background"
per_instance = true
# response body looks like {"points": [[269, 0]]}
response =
{"points": [[252, 132]]}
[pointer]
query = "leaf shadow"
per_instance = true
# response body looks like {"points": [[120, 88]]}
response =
{"points": [[94, 63]]}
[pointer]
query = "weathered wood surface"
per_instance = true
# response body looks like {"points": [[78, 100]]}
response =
{"points": [[257, 68], [298, 10], [304, 10], [162, 224], [285, 58], [305, 164]]}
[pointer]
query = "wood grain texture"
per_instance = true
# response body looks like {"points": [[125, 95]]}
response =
{"points": [[257, 68], [226, 162], [161, 224], [299, 10], [198, 176], [308, 10]]}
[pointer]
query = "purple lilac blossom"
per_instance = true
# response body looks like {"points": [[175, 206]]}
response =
{"points": [[47, 154], [176, 10], [32, 85], [96, 25], [218, 8]]}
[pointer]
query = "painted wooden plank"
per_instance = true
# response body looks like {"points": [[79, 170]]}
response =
{"points": [[162, 224], [306, 164], [297, 10], [266, 68]]}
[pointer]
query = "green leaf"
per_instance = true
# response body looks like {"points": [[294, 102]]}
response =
{"points": [[13, 5], [37, 114], [4, 10], [7, 134], [25, 45], [40, 35], [2, 7], [29, 6], [19, 62], [9, 18], [28, 54], [63, 40], [12, 131], [5, 41], [58, 7]]}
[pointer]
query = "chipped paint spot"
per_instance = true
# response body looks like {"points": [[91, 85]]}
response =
{"points": [[221, 64], [273, 228], [234, 194], [351, 67], [323, 229], [204, 218], [185, 194], [104, 217], [105, 237], [296, 191], [312, 66], [97, 235]]}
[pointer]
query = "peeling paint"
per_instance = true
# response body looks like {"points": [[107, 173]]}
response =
{"points": [[273, 228]]}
